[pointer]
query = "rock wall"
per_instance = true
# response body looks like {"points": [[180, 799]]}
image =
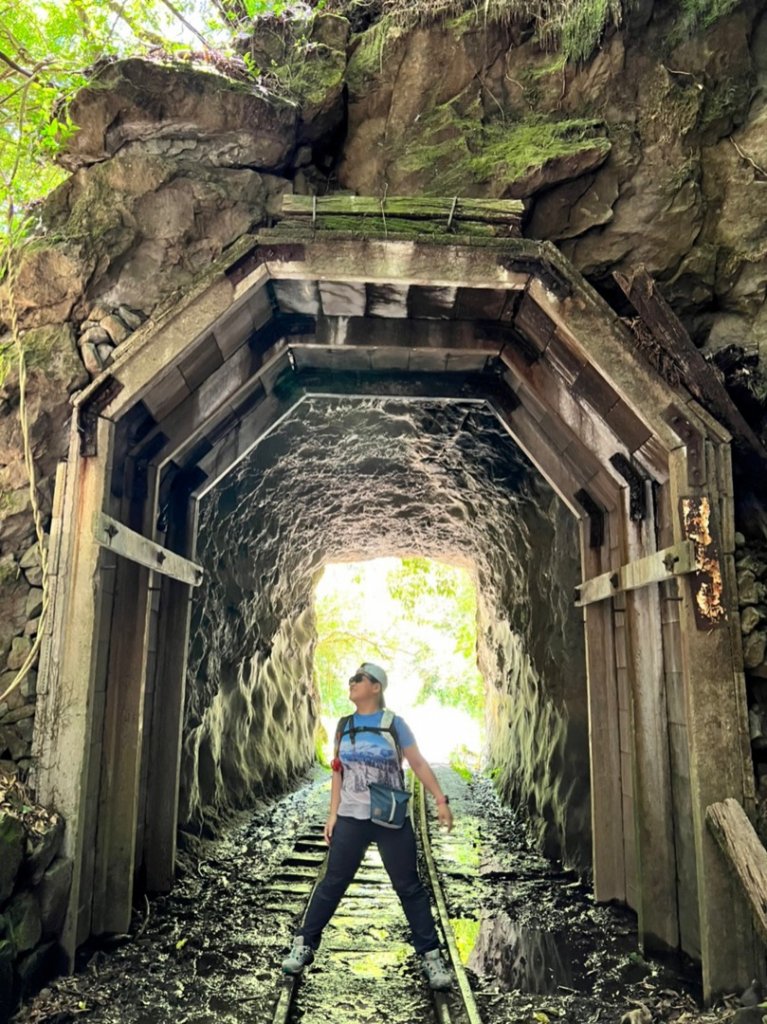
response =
{"points": [[34, 887]]}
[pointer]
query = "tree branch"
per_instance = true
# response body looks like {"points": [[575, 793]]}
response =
{"points": [[177, 14], [16, 67]]}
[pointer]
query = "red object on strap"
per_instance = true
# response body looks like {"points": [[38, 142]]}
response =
{"points": [[336, 765]]}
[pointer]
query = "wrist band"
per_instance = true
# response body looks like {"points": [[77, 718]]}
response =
{"points": [[443, 799]]}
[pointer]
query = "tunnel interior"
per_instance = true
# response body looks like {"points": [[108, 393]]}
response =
{"points": [[361, 479]]}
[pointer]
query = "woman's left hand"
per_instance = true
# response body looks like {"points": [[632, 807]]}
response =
{"points": [[445, 816]]}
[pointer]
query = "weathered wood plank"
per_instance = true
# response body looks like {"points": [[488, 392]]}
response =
{"points": [[607, 806], [698, 377], [662, 565], [492, 211], [134, 546], [744, 853]]}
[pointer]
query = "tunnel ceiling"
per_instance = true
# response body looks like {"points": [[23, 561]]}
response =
{"points": [[512, 326]]}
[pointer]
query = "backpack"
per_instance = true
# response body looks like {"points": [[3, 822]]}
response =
{"points": [[386, 728]]}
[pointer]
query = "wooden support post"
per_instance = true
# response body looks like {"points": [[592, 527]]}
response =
{"points": [[68, 705], [604, 744], [121, 755], [714, 731], [165, 738], [654, 829]]}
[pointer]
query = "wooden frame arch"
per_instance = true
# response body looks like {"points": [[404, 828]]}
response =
{"points": [[509, 324]]}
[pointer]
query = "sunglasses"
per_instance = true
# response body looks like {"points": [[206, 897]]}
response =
{"points": [[359, 677]]}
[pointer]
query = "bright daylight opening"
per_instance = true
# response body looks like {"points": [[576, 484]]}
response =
{"points": [[418, 619]]}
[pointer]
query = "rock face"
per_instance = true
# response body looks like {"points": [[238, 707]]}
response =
{"points": [[379, 478]]}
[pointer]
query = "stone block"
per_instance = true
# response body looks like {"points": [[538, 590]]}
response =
{"points": [[28, 686], [41, 854], [754, 646], [23, 913], [91, 359], [30, 565], [105, 351], [32, 627], [13, 699], [34, 603], [115, 328], [53, 893], [12, 742], [130, 317], [11, 717], [20, 648], [94, 336], [750, 619], [26, 729], [11, 853]]}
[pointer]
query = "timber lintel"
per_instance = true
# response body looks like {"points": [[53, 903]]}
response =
{"points": [[116, 537], [676, 560]]}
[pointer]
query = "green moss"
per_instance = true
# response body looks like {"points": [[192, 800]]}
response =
{"points": [[367, 60], [701, 14], [313, 73], [467, 152]]}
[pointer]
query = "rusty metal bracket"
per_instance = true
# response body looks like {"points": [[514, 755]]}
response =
{"points": [[663, 565], [90, 410], [637, 486], [707, 583], [279, 252], [596, 515], [694, 442]]}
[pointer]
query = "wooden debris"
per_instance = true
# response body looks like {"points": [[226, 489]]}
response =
{"points": [[744, 853], [412, 217], [695, 373]]}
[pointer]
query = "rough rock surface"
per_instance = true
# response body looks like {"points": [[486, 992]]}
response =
{"points": [[363, 479]]}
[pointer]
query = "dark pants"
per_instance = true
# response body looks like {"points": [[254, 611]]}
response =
{"points": [[351, 838]]}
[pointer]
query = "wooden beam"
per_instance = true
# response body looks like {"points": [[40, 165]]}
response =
{"points": [[697, 376], [125, 542], [745, 855], [451, 212], [607, 810], [656, 568]]}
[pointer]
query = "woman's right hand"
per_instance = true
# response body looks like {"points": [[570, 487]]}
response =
{"points": [[330, 824]]}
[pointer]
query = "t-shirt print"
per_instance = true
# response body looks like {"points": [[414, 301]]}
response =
{"points": [[370, 758]]}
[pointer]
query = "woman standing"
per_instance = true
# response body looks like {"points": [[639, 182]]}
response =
{"points": [[362, 759]]}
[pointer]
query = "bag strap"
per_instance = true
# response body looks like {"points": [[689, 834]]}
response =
{"points": [[342, 723], [387, 726]]}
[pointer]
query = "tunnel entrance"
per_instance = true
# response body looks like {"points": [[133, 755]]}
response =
{"points": [[510, 328], [418, 617]]}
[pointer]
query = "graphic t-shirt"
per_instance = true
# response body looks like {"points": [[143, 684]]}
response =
{"points": [[371, 758]]}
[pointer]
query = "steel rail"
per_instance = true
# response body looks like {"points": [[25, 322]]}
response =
{"points": [[290, 982], [467, 996]]}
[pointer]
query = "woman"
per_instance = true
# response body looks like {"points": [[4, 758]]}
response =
{"points": [[349, 830]]}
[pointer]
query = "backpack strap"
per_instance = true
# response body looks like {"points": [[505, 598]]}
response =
{"points": [[387, 727], [340, 728]]}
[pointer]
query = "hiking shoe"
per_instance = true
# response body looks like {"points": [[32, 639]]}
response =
{"points": [[435, 969], [300, 956]]}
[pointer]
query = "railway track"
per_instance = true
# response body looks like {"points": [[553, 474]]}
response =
{"points": [[365, 969]]}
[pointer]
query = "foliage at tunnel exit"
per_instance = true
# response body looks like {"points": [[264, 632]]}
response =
{"points": [[415, 616]]}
